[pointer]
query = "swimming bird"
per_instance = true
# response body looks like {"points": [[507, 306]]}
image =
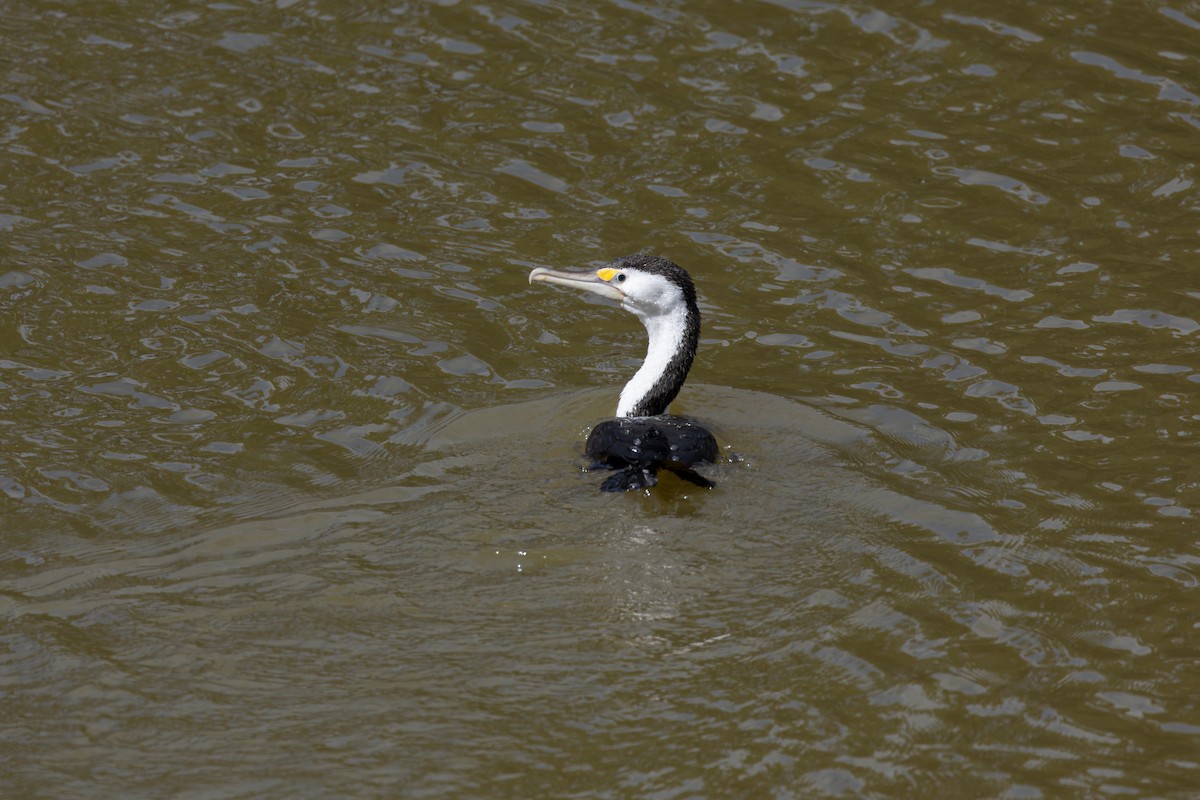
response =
{"points": [[643, 438]]}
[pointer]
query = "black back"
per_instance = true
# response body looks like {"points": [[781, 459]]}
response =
{"points": [[639, 446]]}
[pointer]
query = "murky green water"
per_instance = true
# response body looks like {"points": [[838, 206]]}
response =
{"points": [[291, 502]]}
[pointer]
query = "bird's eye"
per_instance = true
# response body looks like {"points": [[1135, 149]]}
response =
{"points": [[621, 278]]}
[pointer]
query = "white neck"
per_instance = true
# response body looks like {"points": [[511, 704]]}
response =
{"points": [[666, 338]]}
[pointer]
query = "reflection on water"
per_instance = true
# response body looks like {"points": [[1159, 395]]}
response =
{"points": [[291, 449]]}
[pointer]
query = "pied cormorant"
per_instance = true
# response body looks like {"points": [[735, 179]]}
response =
{"points": [[644, 438]]}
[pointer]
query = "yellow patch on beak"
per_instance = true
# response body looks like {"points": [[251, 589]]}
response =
{"points": [[606, 274]]}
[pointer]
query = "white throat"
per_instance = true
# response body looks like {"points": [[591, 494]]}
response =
{"points": [[666, 332]]}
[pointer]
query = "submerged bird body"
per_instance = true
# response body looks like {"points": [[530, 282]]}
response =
{"points": [[643, 438], [637, 447]]}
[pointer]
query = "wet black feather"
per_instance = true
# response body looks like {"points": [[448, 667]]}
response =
{"points": [[638, 447]]}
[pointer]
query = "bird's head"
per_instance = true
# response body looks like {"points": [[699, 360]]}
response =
{"points": [[649, 286]]}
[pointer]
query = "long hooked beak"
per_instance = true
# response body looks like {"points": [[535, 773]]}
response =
{"points": [[588, 280]]}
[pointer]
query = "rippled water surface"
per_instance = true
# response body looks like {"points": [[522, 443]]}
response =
{"points": [[290, 499]]}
